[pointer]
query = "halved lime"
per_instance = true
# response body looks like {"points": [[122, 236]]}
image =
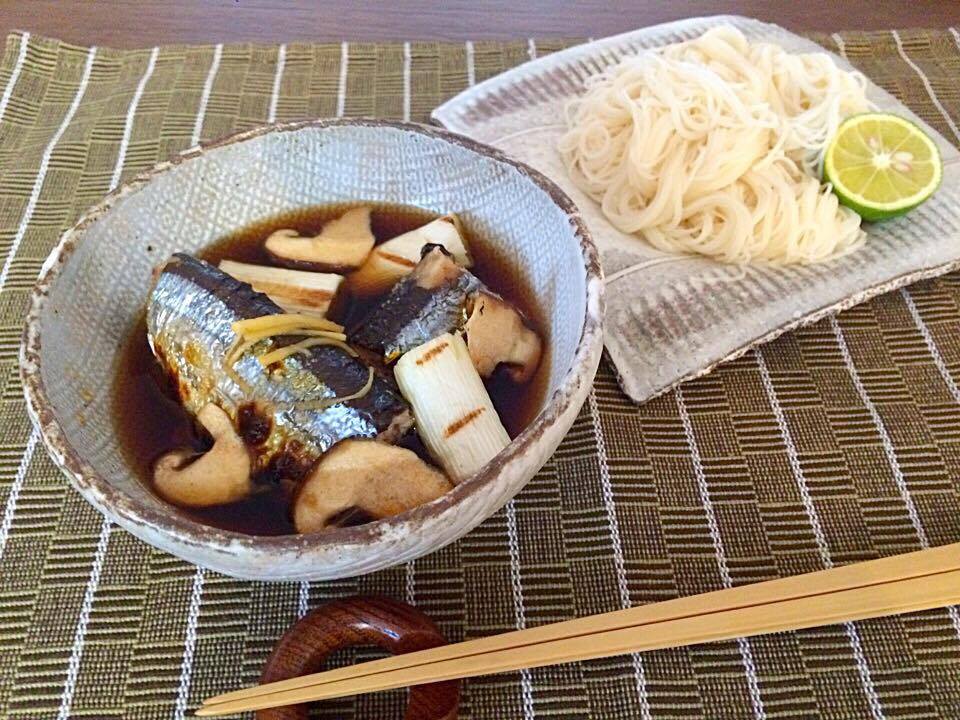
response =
{"points": [[882, 165]]}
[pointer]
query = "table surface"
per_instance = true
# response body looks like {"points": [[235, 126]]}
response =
{"points": [[131, 23], [834, 444]]}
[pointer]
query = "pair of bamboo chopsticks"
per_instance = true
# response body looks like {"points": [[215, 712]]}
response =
{"points": [[904, 583]]}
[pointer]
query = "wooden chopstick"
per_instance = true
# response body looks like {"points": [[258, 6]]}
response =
{"points": [[876, 601], [915, 581], [924, 562]]}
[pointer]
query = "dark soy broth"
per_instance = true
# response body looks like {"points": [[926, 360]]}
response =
{"points": [[150, 422]]}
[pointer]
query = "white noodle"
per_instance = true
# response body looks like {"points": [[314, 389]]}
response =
{"points": [[714, 146]]}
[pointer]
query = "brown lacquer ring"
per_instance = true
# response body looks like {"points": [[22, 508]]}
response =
{"points": [[394, 626]]}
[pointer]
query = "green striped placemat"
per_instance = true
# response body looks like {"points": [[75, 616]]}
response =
{"points": [[834, 444]]}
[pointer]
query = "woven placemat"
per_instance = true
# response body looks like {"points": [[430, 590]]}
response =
{"points": [[834, 444]]}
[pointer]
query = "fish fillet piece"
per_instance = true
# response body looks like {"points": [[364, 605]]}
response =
{"points": [[428, 302], [189, 316]]}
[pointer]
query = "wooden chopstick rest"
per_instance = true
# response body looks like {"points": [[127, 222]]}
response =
{"points": [[394, 626]]}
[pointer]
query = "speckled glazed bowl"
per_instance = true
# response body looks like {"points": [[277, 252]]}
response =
{"points": [[94, 284]]}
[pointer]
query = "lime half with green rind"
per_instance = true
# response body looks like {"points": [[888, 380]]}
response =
{"points": [[882, 165]]}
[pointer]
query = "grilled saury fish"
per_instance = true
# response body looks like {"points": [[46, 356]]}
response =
{"points": [[428, 302], [439, 296], [277, 410]]}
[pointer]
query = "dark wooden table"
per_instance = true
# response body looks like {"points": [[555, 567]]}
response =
{"points": [[136, 23]]}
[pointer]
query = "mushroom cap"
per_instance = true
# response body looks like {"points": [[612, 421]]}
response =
{"points": [[219, 476], [496, 334], [378, 479], [341, 246]]}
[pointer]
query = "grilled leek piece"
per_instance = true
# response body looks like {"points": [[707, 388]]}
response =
{"points": [[453, 412], [293, 290], [392, 260]]}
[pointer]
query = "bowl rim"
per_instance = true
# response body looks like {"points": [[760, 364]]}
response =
{"points": [[113, 501]]}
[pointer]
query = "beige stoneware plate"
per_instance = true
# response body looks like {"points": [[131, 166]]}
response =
{"points": [[673, 317], [93, 286]]}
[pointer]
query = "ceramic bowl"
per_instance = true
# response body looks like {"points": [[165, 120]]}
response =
{"points": [[93, 286]]}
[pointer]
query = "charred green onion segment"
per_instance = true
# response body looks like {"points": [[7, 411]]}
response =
{"points": [[455, 417], [392, 260], [298, 398], [296, 291]]}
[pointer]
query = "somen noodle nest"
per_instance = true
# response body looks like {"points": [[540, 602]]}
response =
{"points": [[714, 146]]}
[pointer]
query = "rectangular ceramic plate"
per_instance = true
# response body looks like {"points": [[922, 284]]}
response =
{"points": [[673, 317]]}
